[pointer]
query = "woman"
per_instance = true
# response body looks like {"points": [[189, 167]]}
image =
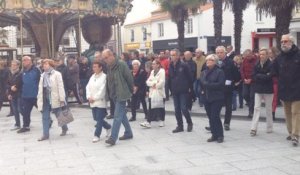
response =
{"points": [[14, 90], [238, 86], [212, 81], [156, 84], [95, 94], [263, 89], [273, 53], [139, 89], [51, 96]]}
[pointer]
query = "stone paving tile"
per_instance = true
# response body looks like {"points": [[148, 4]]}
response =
{"points": [[152, 151]]}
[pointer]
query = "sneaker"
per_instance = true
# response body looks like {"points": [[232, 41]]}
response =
{"points": [[63, 132], [110, 141], [125, 137], [226, 127], [15, 128], [295, 141], [96, 139], [108, 132], [22, 130], [177, 129], [109, 117], [189, 127], [161, 123], [145, 125], [289, 138]]}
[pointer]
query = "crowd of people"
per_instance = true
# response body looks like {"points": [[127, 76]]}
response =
{"points": [[210, 81]]}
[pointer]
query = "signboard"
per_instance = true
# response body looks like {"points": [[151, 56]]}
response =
{"points": [[265, 30], [70, 49]]}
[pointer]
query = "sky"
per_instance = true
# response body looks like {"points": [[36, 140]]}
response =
{"points": [[141, 10]]}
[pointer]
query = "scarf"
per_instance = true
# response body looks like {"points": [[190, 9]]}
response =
{"points": [[46, 82]]}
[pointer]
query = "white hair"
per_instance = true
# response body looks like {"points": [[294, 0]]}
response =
{"points": [[136, 62], [222, 48], [212, 57]]}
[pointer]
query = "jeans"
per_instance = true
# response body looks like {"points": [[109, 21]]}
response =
{"points": [[99, 115], [46, 118], [180, 105], [16, 110], [83, 83], [26, 108], [120, 117], [213, 110], [197, 90], [248, 94]]}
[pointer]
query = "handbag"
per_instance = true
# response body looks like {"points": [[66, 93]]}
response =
{"points": [[157, 100], [64, 116]]}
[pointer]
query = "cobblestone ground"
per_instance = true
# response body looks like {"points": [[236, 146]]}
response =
{"points": [[151, 151]]}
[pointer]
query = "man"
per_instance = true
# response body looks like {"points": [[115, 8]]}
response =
{"points": [[287, 68], [193, 70], [73, 79], [246, 71], [180, 80], [30, 81], [164, 62], [230, 52], [200, 61], [62, 68], [227, 65], [119, 89], [143, 60]]}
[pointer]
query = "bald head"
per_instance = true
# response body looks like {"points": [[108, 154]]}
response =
{"points": [[188, 55], [108, 57]]}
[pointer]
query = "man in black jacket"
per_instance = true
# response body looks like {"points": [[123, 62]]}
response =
{"points": [[180, 79], [193, 69], [227, 65], [287, 68]]}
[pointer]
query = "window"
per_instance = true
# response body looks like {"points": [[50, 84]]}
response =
{"points": [[189, 26], [144, 34], [132, 35], [258, 16], [161, 29]]}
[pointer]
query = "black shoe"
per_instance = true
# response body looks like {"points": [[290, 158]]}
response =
{"points": [[207, 128], [63, 132], [50, 125], [178, 129], [132, 119], [289, 138], [125, 137], [273, 114], [241, 107], [110, 141], [226, 127], [233, 109], [295, 141], [109, 117], [250, 115], [9, 115], [189, 127], [211, 139], [25, 129], [220, 139], [201, 105]]}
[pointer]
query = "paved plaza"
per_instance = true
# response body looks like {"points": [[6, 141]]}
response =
{"points": [[151, 151]]}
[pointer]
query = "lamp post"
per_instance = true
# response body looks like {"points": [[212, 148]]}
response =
{"points": [[18, 5], [82, 5]]}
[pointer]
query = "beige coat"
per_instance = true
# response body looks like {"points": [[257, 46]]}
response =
{"points": [[159, 81], [57, 93], [96, 89]]}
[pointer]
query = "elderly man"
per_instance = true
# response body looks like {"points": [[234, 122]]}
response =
{"points": [[180, 80], [119, 89], [200, 61], [30, 81], [193, 69], [227, 65], [287, 68]]}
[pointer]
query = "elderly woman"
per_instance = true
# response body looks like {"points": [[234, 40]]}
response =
{"points": [[51, 96], [95, 93], [212, 81], [156, 84], [139, 89], [263, 89]]}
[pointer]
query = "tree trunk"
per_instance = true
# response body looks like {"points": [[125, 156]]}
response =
{"points": [[238, 25], [282, 23], [180, 29], [218, 20]]}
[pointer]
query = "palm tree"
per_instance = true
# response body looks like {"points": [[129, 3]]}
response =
{"points": [[238, 6], [179, 10], [282, 10], [218, 21]]}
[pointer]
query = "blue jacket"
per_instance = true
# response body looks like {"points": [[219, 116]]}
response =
{"points": [[212, 84], [30, 82]]}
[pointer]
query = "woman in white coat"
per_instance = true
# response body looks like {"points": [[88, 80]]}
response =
{"points": [[51, 96], [156, 84], [95, 94]]}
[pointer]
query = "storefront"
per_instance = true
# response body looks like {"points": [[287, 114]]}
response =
{"points": [[263, 37], [144, 47], [189, 43]]}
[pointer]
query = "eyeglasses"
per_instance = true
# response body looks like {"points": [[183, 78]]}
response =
{"points": [[284, 41]]}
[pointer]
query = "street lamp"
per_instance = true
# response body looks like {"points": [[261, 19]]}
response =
{"points": [[18, 5], [82, 5]]}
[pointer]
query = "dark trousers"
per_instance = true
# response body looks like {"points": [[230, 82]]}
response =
{"points": [[248, 94], [155, 113], [83, 83], [16, 110], [99, 115], [228, 105], [180, 105], [26, 108], [213, 110], [75, 90], [167, 88], [112, 107], [135, 99]]}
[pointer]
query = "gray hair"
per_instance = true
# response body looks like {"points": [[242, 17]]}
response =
{"points": [[136, 62], [291, 38], [212, 57], [221, 47], [177, 52], [17, 62]]}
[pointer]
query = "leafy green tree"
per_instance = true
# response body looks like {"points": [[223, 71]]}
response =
{"points": [[179, 10]]}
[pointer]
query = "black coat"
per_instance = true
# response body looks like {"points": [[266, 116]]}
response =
{"points": [[193, 68], [15, 80], [262, 76], [180, 77], [231, 73], [287, 68], [4, 75], [63, 69], [140, 82], [212, 84]]}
